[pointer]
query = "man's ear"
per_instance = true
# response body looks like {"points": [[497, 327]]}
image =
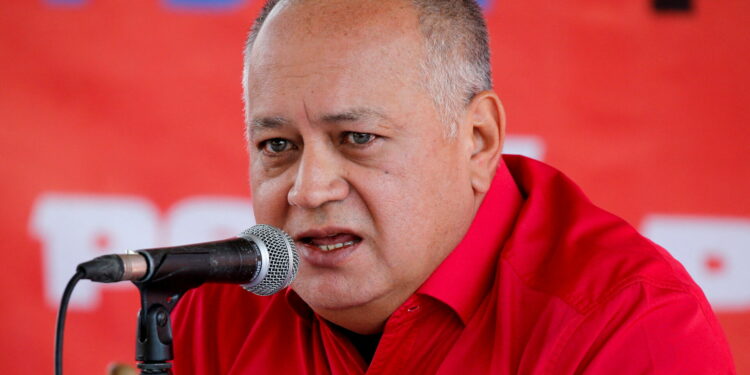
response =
{"points": [[485, 117]]}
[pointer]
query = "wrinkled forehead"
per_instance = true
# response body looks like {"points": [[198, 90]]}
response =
{"points": [[329, 42]]}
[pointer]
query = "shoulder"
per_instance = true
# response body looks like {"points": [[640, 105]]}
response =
{"points": [[633, 308], [564, 245], [644, 328], [212, 324]]}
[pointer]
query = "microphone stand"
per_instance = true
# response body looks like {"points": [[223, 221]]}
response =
{"points": [[159, 296], [153, 342]]}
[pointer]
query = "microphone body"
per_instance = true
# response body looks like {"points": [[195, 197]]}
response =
{"points": [[263, 259]]}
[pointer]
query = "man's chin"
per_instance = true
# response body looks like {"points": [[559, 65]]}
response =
{"points": [[334, 299]]}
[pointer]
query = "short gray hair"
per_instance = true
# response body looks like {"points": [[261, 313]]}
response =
{"points": [[457, 62]]}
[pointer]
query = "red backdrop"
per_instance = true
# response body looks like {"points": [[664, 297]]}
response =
{"points": [[121, 127]]}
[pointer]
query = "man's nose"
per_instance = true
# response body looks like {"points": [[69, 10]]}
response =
{"points": [[319, 180]]}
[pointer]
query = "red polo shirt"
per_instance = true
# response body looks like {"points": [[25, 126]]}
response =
{"points": [[544, 282]]}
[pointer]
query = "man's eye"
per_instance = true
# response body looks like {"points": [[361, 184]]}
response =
{"points": [[359, 138], [276, 145]]}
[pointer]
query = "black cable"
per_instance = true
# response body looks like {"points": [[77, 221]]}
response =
{"points": [[61, 320]]}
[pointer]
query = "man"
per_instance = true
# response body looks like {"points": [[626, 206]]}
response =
{"points": [[375, 142]]}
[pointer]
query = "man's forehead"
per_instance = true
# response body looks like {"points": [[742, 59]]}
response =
{"points": [[286, 48], [303, 70]]}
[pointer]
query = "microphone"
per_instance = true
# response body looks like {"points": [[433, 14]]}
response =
{"points": [[262, 258]]}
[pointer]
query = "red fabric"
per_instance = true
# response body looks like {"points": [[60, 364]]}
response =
{"points": [[544, 282]]}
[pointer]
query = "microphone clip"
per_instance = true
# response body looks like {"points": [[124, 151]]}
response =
{"points": [[153, 347]]}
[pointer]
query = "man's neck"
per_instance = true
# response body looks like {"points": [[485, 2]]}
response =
{"points": [[366, 345]]}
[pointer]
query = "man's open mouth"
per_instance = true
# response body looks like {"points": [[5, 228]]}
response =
{"points": [[331, 242]]}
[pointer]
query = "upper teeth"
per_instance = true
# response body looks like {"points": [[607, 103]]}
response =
{"points": [[335, 246]]}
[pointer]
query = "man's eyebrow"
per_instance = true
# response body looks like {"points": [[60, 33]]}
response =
{"points": [[268, 123], [353, 115]]}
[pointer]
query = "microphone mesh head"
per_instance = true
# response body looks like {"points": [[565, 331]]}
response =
{"points": [[283, 260]]}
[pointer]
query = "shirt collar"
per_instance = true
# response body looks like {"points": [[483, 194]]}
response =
{"points": [[465, 276], [297, 304]]}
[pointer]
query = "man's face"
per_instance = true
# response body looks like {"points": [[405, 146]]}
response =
{"points": [[348, 154]]}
